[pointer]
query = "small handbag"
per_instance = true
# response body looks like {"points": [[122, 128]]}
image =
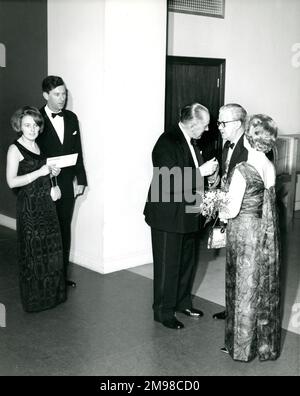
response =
{"points": [[55, 192], [217, 236]]}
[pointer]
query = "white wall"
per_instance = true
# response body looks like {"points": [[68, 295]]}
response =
{"points": [[75, 52], [135, 42], [111, 54], [256, 38]]}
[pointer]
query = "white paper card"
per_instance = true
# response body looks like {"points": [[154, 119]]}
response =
{"points": [[63, 160]]}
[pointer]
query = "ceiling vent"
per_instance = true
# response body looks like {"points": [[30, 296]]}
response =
{"points": [[211, 8]]}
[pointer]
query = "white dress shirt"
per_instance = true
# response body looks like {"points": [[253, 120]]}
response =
{"points": [[58, 124], [192, 150], [237, 187], [230, 150]]}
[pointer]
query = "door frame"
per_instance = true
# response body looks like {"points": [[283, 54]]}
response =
{"points": [[185, 60]]}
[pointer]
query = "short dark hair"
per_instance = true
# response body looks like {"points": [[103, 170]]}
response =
{"points": [[16, 119], [192, 112], [261, 132], [52, 82]]}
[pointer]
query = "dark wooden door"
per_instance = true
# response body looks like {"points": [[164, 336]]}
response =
{"points": [[199, 80]]}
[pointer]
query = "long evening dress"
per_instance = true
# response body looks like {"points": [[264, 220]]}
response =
{"points": [[252, 274], [41, 275]]}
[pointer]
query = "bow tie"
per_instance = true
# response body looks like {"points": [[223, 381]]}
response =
{"points": [[57, 114], [228, 145]]}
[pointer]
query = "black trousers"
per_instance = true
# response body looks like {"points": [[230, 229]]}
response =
{"points": [[174, 262], [64, 208]]}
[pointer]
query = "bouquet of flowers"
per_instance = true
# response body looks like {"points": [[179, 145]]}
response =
{"points": [[212, 202]]}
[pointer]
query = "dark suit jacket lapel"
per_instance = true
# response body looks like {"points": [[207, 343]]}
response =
{"points": [[51, 131], [239, 154], [67, 132], [187, 155], [188, 161]]}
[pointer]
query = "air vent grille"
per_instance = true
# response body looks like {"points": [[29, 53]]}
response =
{"points": [[213, 8]]}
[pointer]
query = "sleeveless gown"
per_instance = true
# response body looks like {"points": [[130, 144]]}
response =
{"points": [[41, 275], [252, 274]]}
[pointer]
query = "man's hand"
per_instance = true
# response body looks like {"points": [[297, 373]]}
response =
{"points": [[79, 190], [214, 179], [209, 167]]}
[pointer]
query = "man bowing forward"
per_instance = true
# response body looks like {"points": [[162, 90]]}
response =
{"points": [[179, 170]]}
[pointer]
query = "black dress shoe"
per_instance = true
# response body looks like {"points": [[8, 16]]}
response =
{"points": [[220, 315], [172, 323], [192, 312], [71, 283], [224, 350]]}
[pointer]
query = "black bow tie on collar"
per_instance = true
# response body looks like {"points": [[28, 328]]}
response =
{"points": [[228, 145], [57, 114]]}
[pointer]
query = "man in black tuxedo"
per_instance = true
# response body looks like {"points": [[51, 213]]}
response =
{"points": [[61, 136], [179, 171], [231, 123]]}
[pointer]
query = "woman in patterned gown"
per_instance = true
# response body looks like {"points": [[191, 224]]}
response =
{"points": [[41, 275], [252, 259]]}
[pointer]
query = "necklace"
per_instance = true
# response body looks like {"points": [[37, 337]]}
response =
{"points": [[33, 148]]}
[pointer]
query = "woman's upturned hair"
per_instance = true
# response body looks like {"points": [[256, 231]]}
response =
{"points": [[16, 119], [261, 132]]}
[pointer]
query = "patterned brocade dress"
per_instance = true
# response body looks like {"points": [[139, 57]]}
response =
{"points": [[252, 274], [41, 274]]}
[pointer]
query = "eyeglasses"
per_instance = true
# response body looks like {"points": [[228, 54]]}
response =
{"points": [[222, 124]]}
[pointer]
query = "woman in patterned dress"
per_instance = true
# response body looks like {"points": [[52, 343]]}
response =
{"points": [[41, 275], [252, 259]]}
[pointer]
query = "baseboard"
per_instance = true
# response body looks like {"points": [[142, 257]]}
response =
{"points": [[297, 205], [130, 261], [8, 222], [111, 265], [84, 261], [105, 266]]}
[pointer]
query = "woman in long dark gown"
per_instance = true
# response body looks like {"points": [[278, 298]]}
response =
{"points": [[252, 260], [41, 275]]}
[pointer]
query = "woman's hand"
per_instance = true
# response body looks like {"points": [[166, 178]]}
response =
{"points": [[44, 170], [55, 171], [224, 221]]}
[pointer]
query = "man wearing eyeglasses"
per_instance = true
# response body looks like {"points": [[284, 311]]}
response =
{"points": [[231, 123]]}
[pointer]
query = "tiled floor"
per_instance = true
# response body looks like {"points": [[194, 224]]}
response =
{"points": [[106, 328], [210, 277]]}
